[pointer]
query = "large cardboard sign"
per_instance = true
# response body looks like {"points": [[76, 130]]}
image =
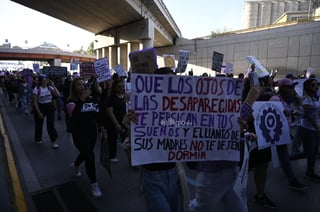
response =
{"points": [[183, 61], [144, 61], [185, 118], [270, 123], [217, 60], [87, 70]]}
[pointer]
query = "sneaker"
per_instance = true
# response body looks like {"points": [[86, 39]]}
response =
{"points": [[296, 185], [114, 160], [96, 192], [77, 172], [265, 201], [55, 145], [37, 142], [312, 176]]}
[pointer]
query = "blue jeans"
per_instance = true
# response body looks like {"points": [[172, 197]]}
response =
{"points": [[162, 191], [285, 162], [310, 147], [213, 187]]}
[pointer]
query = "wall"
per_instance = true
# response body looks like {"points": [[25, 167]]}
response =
{"points": [[289, 48]]}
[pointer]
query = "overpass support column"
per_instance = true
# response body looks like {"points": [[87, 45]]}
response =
{"points": [[106, 52], [124, 55], [147, 43], [113, 60], [134, 46], [99, 53]]}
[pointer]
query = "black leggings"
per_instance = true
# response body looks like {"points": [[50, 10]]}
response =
{"points": [[85, 144]]}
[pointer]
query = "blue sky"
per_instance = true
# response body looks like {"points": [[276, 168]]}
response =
{"points": [[199, 18], [194, 19]]}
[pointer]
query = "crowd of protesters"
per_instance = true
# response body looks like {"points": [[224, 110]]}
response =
{"points": [[102, 106]]}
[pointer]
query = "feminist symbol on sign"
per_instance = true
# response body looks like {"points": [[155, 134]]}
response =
{"points": [[271, 125], [169, 62]]}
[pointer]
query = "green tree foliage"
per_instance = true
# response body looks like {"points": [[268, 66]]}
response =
{"points": [[90, 49]]}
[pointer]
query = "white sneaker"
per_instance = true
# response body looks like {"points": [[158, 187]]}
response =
{"points": [[114, 160], [77, 172], [96, 192], [55, 145]]}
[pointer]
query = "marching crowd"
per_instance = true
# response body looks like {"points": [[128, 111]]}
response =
{"points": [[91, 108]]}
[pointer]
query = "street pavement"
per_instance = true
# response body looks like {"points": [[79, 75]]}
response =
{"points": [[41, 167]]}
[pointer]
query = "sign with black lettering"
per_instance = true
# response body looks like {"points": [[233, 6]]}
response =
{"points": [[101, 67], [185, 118]]}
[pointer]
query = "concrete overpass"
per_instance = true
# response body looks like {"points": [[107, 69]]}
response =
{"points": [[146, 21], [54, 57], [121, 26]]}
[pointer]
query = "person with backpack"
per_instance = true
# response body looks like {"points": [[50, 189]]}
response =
{"points": [[43, 107], [83, 111]]}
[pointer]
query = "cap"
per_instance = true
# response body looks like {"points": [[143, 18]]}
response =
{"points": [[285, 82]]}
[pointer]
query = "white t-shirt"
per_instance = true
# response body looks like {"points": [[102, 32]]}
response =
{"points": [[305, 123], [44, 94]]}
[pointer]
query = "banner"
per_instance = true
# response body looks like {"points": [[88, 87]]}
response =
{"points": [[185, 118]]}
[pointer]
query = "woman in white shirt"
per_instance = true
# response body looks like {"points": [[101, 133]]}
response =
{"points": [[43, 106], [310, 126]]}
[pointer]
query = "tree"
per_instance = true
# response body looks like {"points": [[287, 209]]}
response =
{"points": [[90, 49]]}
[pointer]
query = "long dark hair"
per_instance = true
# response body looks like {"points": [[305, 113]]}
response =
{"points": [[114, 85], [72, 93], [307, 91]]}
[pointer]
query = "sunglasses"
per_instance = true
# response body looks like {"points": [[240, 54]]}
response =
{"points": [[314, 84]]}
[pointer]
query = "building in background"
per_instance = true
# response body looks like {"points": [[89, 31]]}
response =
{"points": [[265, 12]]}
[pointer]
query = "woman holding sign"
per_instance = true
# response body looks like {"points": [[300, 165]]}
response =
{"points": [[291, 102], [259, 159]]}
